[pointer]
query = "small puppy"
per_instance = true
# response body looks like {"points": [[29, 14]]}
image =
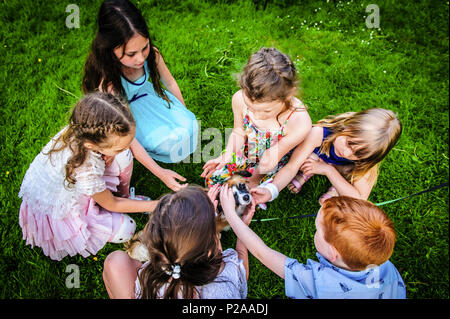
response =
{"points": [[135, 247], [137, 250], [242, 197]]}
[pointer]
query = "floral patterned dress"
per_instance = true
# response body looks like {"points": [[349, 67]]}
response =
{"points": [[257, 141]]}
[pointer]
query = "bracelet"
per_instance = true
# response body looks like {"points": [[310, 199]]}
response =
{"points": [[272, 188]]}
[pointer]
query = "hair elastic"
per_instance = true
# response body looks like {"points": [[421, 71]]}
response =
{"points": [[175, 272]]}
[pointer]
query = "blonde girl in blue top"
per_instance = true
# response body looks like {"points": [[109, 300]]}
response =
{"points": [[347, 148], [123, 60]]}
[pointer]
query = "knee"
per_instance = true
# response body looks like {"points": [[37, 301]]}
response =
{"points": [[114, 264]]}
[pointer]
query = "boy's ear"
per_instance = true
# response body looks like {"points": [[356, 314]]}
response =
{"points": [[333, 253]]}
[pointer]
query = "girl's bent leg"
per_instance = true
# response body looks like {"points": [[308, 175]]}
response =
{"points": [[119, 275]]}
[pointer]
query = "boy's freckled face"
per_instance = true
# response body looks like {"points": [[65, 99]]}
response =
{"points": [[137, 50]]}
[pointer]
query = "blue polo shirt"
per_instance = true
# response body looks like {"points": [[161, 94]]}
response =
{"points": [[323, 280]]}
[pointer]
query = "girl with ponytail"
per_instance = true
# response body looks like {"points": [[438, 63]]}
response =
{"points": [[186, 260]]}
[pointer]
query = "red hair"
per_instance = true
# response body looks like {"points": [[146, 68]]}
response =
{"points": [[361, 232]]}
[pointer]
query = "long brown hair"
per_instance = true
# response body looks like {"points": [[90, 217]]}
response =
{"points": [[269, 75], [94, 118], [371, 133], [118, 22], [181, 231]]}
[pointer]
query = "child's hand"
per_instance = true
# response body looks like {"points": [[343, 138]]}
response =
{"points": [[312, 166], [212, 194], [260, 195], [227, 201], [169, 178], [108, 159], [249, 212], [215, 164]]}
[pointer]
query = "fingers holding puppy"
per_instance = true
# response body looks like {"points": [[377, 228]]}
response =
{"points": [[227, 200], [249, 212], [212, 194]]}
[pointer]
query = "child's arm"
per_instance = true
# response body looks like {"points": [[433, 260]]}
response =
{"points": [[123, 205], [360, 189], [285, 175], [235, 140], [243, 255], [270, 258], [166, 77], [168, 177], [240, 246], [297, 128]]}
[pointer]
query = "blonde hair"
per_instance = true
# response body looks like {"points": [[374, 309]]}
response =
{"points": [[361, 232], [269, 75], [371, 134]]}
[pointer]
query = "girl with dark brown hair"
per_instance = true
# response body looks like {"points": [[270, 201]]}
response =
{"points": [[186, 257], [124, 61]]}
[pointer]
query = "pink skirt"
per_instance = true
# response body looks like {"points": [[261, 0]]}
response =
{"points": [[84, 231]]}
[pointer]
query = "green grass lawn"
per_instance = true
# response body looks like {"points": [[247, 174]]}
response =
{"points": [[343, 66]]}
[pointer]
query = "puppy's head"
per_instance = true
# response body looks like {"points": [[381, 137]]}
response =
{"points": [[239, 185]]}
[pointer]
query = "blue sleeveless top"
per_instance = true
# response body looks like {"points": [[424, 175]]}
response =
{"points": [[168, 134], [333, 158]]}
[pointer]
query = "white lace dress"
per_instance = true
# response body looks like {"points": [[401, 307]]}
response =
{"points": [[66, 220]]}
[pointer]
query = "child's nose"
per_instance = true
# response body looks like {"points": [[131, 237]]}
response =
{"points": [[141, 58], [347, 152]]}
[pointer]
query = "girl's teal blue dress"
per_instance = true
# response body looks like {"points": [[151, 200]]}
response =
{"points": [[169, 134]]}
